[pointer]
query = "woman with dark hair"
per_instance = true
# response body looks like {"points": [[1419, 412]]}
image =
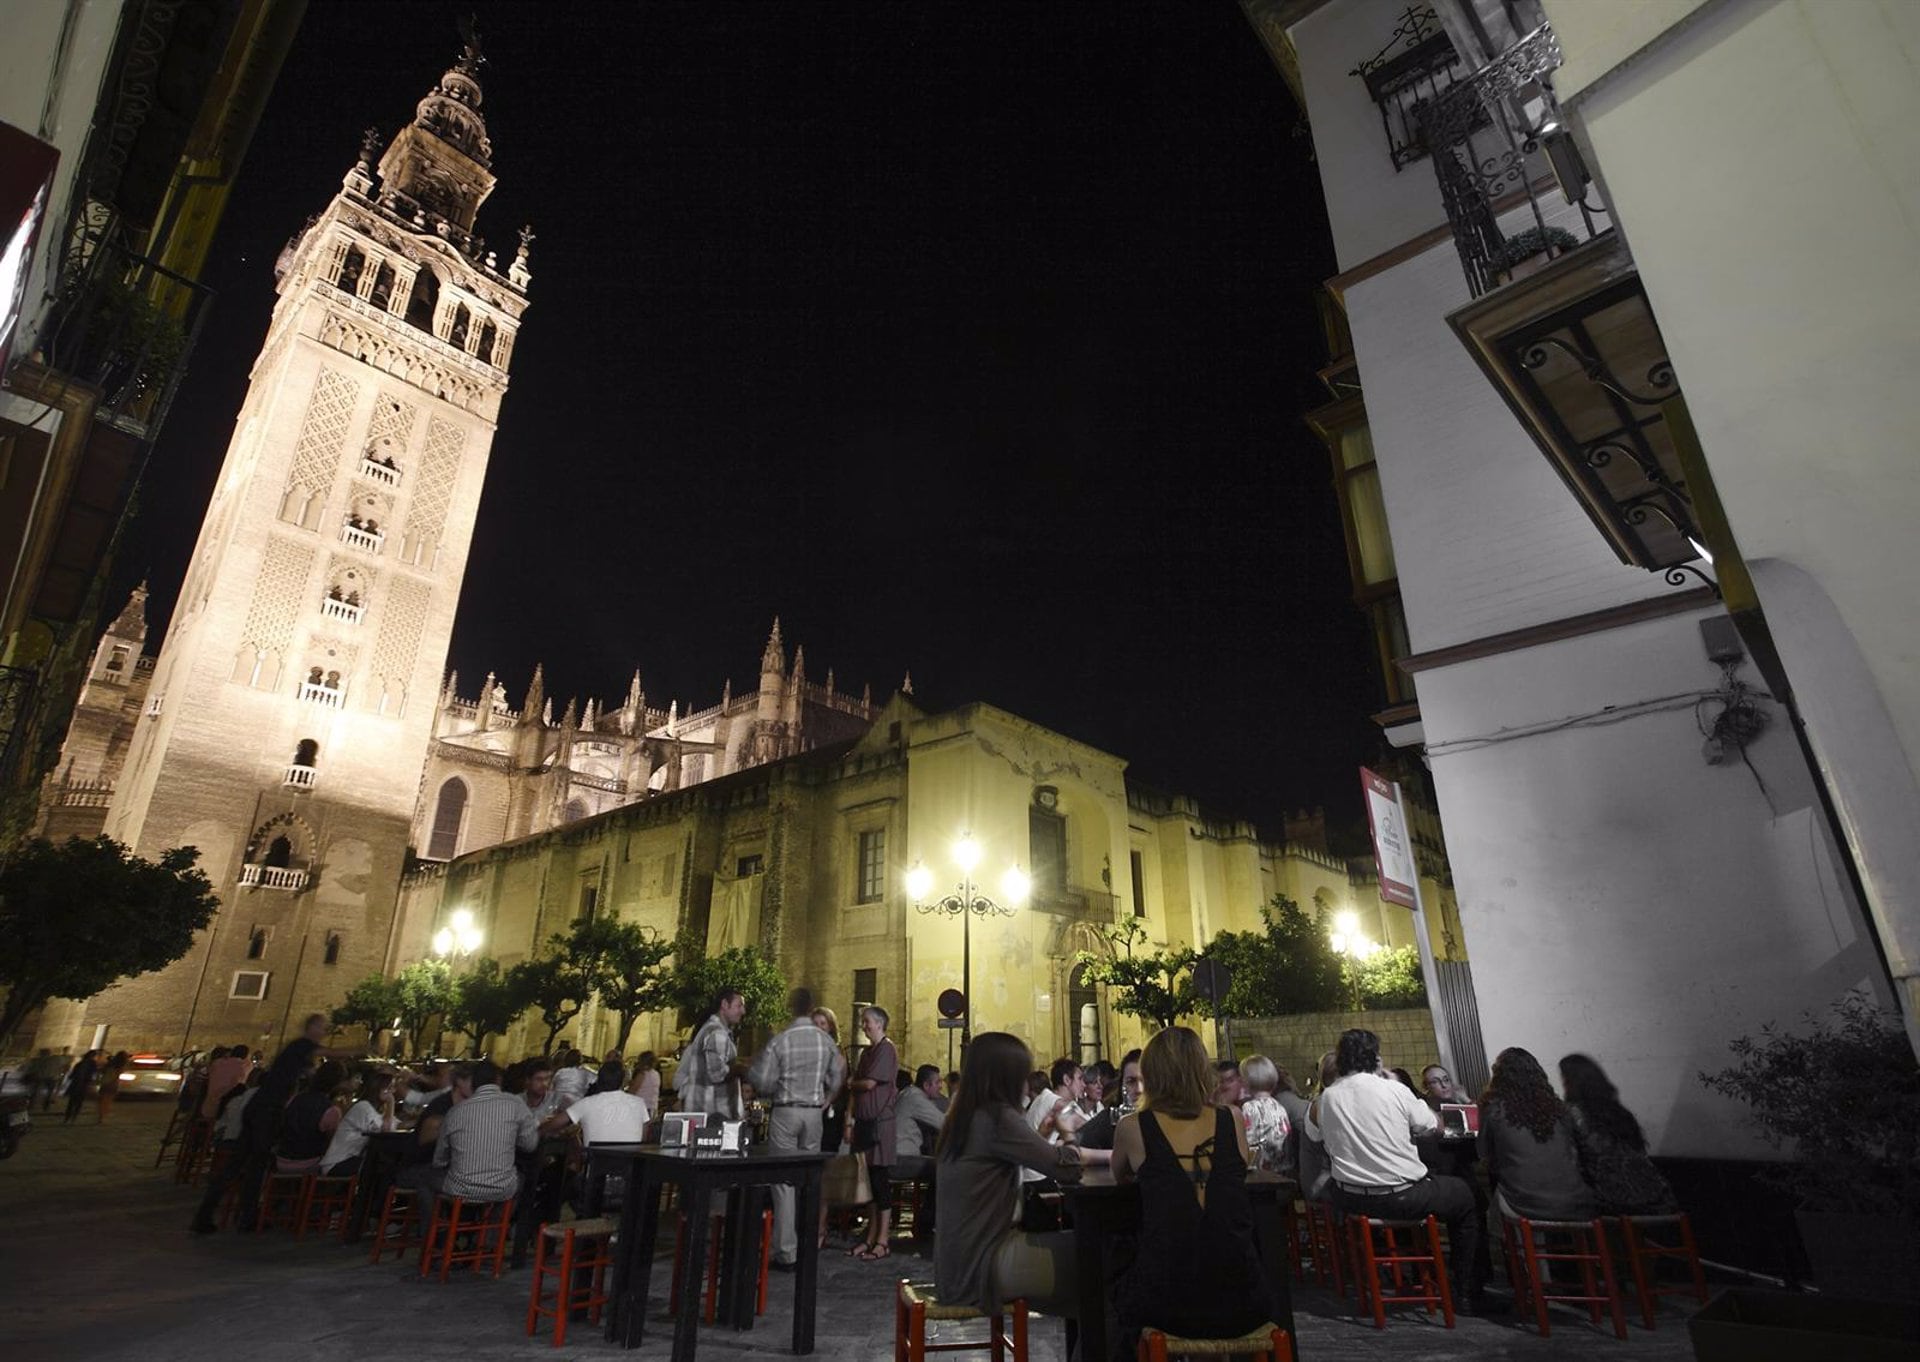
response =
{"points": [[1526, 1142], [306, 1127], [371, 1113], [1610, 1146], [1197, 1273], [980, 1258], [833, 1123]]}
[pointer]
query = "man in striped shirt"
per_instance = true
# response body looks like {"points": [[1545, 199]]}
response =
{"points": [[480, 1139], [708, 1077], [797, 1074]]}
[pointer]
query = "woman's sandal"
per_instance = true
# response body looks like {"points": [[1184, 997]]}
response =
{"points": [[873, 1253]]}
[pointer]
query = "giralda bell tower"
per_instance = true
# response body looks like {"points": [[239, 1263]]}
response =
{"points": [[293, 700]]}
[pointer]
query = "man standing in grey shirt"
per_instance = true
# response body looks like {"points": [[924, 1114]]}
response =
{"points": [[796, 1073], [480, 1139], [707, 1079]]}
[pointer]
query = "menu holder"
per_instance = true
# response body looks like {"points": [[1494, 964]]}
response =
{"points": [[678, 1129], [720, 1137]]}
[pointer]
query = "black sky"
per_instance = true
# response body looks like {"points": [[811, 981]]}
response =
{"points": [[969, 340]]}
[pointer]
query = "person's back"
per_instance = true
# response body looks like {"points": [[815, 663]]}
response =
{"points": [[1526, 1141], [305, 1130], [610, 1118], [479, 1144]]}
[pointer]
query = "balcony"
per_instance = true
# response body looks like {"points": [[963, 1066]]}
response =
{"points": [[301, 777], [254, 876], [360, 537], [339, 608], [319, 693], [384, 473]]}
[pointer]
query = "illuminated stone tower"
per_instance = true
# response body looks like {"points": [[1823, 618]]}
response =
{"points": [[292, 703]]}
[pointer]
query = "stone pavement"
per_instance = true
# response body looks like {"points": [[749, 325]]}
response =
{"points": [[97, 1264]]}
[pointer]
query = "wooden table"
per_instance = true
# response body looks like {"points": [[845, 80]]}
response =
{"points": [[649, 1171], [386, 1152], [1101, 1207]]}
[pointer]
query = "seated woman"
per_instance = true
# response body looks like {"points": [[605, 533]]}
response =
{"points": [[1611, 1148], [1197, 1273], [980, 1258], [307, 1124], [1316, 1170], [372, 1111], [1269, 1130], [1526, 1143]]}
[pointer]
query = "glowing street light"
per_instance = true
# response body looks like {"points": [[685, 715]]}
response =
{"points": [[460, 938], [967, 903]]}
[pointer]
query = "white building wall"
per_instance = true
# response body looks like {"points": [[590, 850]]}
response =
{"points": [[1795, 338], [1621, 897]]}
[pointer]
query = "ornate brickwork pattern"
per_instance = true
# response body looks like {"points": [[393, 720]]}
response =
{"points": [[400, 628], [276, 593], [439, 464], [392, 418], [316, 458]]}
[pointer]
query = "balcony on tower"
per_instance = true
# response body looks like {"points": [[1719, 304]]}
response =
{"points": [[257, 876], [301, 777], [341, 605], [382, 470], [322, 688], [362, 534]]}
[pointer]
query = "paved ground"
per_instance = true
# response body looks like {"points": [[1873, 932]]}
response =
{"points": [[97, 1264]]}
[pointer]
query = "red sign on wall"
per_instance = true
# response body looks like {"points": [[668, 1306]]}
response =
{"points": [[1392, 839]]}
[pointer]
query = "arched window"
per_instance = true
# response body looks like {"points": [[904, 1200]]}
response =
{"points": [[448, 813], [457, 328], [307, 753], [257, 943], [352, 265], [1083, 1016], [576, 810], [332, 956], [279, 853], [382, 291], [423, 300], [489, 340]]}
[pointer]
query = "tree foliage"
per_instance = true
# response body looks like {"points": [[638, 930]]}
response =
{"points": [[696, 977], [486, 1001], [78, 915], [423, 991], [1156, 986], [1388, 978], [1287, 966], [555, 986], [627, 964], [373, 1003]]}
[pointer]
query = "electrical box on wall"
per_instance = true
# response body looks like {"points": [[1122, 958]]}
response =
{"points": [[1722, 640]]}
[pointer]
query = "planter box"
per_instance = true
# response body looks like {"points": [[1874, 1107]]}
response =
{"points": [[1774, 1326]]}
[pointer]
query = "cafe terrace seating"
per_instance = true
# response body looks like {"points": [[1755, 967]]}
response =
{"points": [[484, 1225], [579, 1273], [1265, 1344], [1644, 1253], [1559, 1245], [915, 1305], [1375, 1259]]}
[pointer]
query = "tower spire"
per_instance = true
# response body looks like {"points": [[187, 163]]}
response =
{"points": [[536, 694], [773, 661]]}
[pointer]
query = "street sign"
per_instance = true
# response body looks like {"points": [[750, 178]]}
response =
{"points": [[951, 1023], [1212, 978], [1392, 841], [952, 1002]]}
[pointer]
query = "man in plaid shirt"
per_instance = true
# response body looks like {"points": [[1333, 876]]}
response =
{"points": [[797, 1074], [707, 1073]]}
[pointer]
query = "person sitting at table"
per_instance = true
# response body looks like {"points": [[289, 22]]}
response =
{"points": [[538, 1090], [1367, 1121], [371, 1111], [1269, 1131], [1095, 1138], [226, 1123], [572, 1079], [227, 1070], [1610, 1145], [1291, 1102], [421, 1089], [1229, 1088], [980, 1258], [611, 1076], [416, 1170], [480, 1139], [917, 1121], [646, 1084], [610, 1117], [1196, 1272], [1316, 1174], [1526, 1141], [309, 1121]]}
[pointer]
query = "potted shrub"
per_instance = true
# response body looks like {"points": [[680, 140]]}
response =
{"points": [[1843, 1098], [1528, 251]]}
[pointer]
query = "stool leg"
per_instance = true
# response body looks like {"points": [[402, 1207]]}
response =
{"points": [[679, 1258], [563, 1295], [1156, 1346], [997, 1337], [1020, 1331], [451, 1238], [1637, 1265], [1530, 1248], [1368, 1272], [502, 1233], [916, 1332], [766, 1257], [1282, 1346], [899, 1322], [1693, 1258], [539, 1276], [1442, 1283], [1608, 1280]]}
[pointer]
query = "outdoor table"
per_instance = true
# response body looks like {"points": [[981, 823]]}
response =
{"points": [[649, 1170], [1100, 1207], [386, 1152]]}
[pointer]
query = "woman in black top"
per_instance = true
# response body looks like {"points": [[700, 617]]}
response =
{"points": [[1197, 1273], [1526, 1142], [1612, 1150]]}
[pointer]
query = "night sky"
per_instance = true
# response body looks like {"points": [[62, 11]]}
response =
{"points": [[969, 340]]}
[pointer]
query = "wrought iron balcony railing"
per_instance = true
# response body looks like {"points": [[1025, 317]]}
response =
{"points": [[320, 693], [367, 541], [347, 612], [379, 472], [254, 876]]}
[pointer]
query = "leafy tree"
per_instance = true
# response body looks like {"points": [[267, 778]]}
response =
{"points": [[76, 916], [697, 977], [627, 965], [1155, 986], [557, 986], [373, 1003], [1287, 966], [486, 1001], [1389, 978], [422, 992]]}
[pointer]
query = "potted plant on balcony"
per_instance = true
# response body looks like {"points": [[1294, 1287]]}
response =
{"points": [[1843, 1096], [1528, 251]]}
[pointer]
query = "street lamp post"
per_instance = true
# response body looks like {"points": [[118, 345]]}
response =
{"points": [[967, 902], [460, 938]]}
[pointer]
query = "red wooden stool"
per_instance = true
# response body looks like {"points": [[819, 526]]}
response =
{"points": [[400, 1207], [331, 1197], [1644, 1254], [1265, 1344], [280, 1200], [1326, 1244], [1529, 1243], [488, 1224], [915, 1305], [195, 1147], [1428, 1266], [710, 1307], [585, 1246]]}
